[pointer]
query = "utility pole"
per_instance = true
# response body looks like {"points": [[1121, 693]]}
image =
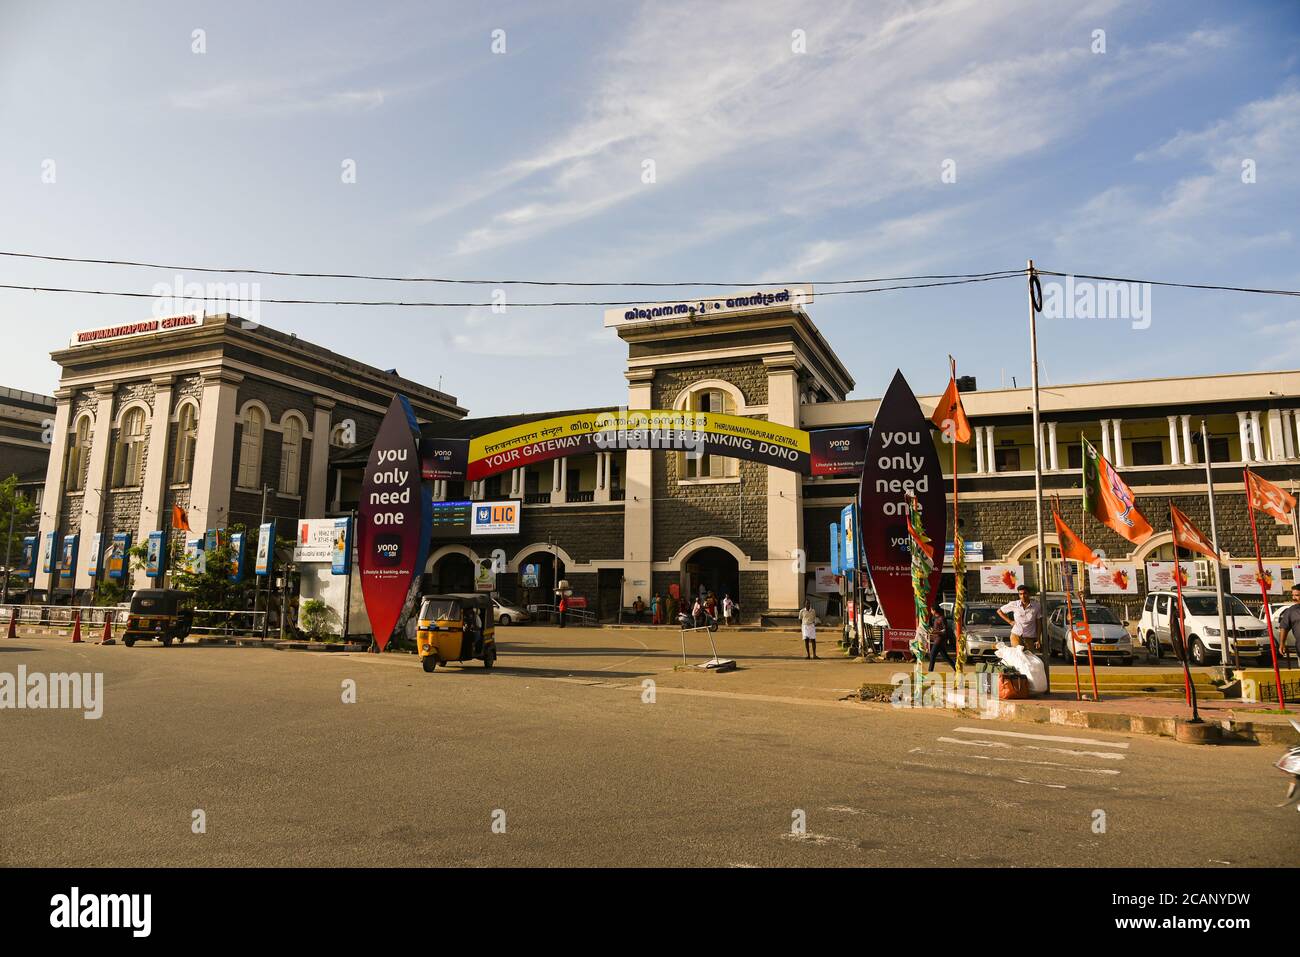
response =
{"points": [[1218, 570], [257, 579], [9, 544], [1038, 465]]}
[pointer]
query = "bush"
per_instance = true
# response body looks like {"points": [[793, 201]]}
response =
{"points": [[316, 618]]}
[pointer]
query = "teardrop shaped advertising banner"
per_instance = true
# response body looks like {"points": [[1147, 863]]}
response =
{"points": [[901, 459], [395, 520]]}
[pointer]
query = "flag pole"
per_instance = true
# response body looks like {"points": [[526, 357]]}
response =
{"points": [[1218, 569], [1038, 464], [1263, 589], [957, 562], [1182, 620], [1069, 615]]}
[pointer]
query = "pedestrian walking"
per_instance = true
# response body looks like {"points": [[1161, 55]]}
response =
{"points": [[808, 626], [697, 612], [940, 638], [727, 607], [638, 610], [656, 606], [562, 607], [1025, 618], [1289, 621]]}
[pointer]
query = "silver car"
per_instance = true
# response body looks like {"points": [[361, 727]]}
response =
{"points": [[982, 631], [504, 613], [1110, 639]]}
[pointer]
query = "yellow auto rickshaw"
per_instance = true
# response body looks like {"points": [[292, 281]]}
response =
{"points": [[165, 614], [456, 628]]}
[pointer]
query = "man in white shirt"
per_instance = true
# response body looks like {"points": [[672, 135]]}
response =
{"points": [[726, 609], [1025, 618], [808, 625]]}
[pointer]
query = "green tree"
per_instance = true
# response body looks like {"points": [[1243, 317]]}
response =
{"points": [[23, 511]]}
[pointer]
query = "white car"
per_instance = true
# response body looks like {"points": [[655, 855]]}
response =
{"points": [[504, 613], [1110, 639], [1249, 635]]}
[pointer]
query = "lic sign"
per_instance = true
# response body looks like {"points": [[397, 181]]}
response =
{"points": [[495, 518]]}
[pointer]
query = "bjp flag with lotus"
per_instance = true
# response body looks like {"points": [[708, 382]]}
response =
{"points": [[1107, 499]]}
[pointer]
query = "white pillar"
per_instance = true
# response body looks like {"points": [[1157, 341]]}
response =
{"points": [[1174, 458], [1276, 450], [214, 450], [1105, 440], [1119, 443], [602, 477], [1243, 436], [318, 468], [1295, 414], [1053, 454], [785, 585], [154, 493], [52, 499], [1189, 453], [979, 450], [1256, 438], [564, 478], [94, 499], [638, 511], [1288, 433], [990, 460]]}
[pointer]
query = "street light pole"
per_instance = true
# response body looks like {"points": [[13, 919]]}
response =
{"points": [[9, 544], [1218, 571], [1038, 468]]}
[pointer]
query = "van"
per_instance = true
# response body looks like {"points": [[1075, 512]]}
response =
{"points": [[1248, 636]]}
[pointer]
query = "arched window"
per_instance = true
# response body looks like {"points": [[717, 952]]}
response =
{"points": [[78, 456], [290, 455], [128, 462], [705, 465], [187, 428], [250, 448]]}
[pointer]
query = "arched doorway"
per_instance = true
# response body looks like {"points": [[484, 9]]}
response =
{"points": [[715, 569], [454, 572], [538, 573]]}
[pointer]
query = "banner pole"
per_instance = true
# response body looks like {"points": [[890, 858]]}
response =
{"points": [[1182, 621], [957, 562], [1067, 647], [1038, 467], [1263, 589]]}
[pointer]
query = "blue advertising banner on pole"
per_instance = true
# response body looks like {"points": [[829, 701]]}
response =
{"points": [[196, 559], [849, 523], [68, 563], [835, 549], [48, 554], [116, 562], [342, 559], [212, 540], [237, 556], [96, 549], [28, 569], [155, 557], [265, 549]]}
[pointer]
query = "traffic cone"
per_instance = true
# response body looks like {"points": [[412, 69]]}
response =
{"points": [[108, 631], [76, 629], [13, 624]]}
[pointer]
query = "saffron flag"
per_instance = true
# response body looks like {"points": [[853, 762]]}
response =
{"points": [[1267, 497], [180, 518], [1072, 546], [1187, 535], [949, 416], [1107, 499]]}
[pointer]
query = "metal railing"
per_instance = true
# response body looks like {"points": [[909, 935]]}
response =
{"points": [[574, 616], [228, 622], [64, 616]]}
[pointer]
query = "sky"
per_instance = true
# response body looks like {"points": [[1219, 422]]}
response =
{"points": [[789, 142]]}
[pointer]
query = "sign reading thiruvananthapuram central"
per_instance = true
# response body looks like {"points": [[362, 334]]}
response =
{"points": [[744, 300]]}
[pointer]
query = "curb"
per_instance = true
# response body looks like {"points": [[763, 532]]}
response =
{"points": [[1211, 731]]}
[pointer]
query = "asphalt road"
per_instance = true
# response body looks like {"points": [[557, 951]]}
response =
{"points": [[561, 744]]}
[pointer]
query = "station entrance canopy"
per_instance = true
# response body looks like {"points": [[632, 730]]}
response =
{"points": [[821, 452]]}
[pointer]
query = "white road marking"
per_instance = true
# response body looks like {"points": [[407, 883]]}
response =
{"points": [[1045, 764], [1106, 755], [977, 774], [1043, 737], [1043, 783]]}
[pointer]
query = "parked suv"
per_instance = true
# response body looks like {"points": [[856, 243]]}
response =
{"points": [[1248, 640]]}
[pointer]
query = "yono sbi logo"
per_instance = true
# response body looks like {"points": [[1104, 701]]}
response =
{"points": [[388, 549]]}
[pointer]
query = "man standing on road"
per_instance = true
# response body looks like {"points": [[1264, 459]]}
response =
{"points": [[726, 609], [808, 625], [941, 637], [1025, 618], [1289, 622]]}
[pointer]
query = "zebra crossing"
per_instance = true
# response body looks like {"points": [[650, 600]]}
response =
{"points": [[1055, 761]]}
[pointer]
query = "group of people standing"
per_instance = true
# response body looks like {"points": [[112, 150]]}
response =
{"points": [[703, 609]]}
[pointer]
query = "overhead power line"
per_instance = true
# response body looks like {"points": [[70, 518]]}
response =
{"points": [[1177, 285], [512, 305], [489, 282]]}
